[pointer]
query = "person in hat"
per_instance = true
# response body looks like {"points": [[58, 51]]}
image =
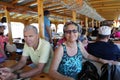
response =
{"points": [[102, 48], [3, 41]]}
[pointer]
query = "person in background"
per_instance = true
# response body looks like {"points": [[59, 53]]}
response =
{"points": [[37, 49], [3, 20], [84, 42], [102, 48], [3, 41], [47, 25], [117, 33], [67, 60], [83, 38], [95, 31], [60, 41]]}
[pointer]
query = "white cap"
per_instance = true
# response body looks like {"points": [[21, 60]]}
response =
{"points": [[104, 30]]}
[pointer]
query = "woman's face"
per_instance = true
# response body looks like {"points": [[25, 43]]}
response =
{"points": [[71, 33]]}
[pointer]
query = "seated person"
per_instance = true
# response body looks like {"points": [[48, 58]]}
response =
{"points": [[60, 41], [83, 38], [117, 34], [67, 61], [37, 49], [3, 41], [102, 48], [84, 42]]}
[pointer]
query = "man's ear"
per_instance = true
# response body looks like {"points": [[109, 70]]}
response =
{"points": [[108, 37]]}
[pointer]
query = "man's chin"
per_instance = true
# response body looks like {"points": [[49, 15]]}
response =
{"points": [[29, 45]]}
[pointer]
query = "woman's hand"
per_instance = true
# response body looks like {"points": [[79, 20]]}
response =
{"points": [[106, 61], [68, 78]]}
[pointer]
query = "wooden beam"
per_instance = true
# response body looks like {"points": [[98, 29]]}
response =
{"points": [[74, 16], [30, 3], [9, 25], [14, 2], [93, 23], [15, 6], [40, 18], [86, 22], [101, 1]]}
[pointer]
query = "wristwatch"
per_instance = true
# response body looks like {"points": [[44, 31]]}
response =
{"points": [[18, 75]]}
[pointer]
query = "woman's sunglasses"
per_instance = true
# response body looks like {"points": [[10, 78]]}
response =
{"points": [[70, 31]]}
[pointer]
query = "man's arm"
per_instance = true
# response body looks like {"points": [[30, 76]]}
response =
{"points": [[20, 64], [34, 71]]}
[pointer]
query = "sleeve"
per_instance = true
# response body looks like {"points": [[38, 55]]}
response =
{"points": [[45, 53], [117, 52], [25, 51]]}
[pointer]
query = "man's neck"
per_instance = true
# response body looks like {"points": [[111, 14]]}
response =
{"points": [[36, 45], [103, 40]]}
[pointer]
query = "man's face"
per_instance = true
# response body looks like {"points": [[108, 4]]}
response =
{"points": [[31, 38]]}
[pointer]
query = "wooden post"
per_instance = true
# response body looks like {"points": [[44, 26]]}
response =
{"points": [[9, 25], [96, 23], [74, 16], [86, 22], [99, 24], [64, 20], [93, 23], [40, 18]]}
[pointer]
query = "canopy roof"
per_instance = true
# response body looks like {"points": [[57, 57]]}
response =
{"points": [[21, 10]]}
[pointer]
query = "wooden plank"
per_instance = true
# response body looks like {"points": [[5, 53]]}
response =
{"points": [[40, 18], [9, 25], [74, 16]]}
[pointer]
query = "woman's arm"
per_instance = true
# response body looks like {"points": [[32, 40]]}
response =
{"points": [[55, 64], [91, 57], [2, 52]]}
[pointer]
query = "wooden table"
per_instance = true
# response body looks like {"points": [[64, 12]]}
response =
{"points": [[43, 76]]}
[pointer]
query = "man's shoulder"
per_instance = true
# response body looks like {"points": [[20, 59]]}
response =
{"points": [[93, 45], [90, 44], [43, 41]]}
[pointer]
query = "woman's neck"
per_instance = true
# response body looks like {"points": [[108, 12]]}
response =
{"points": [[71, 44]]}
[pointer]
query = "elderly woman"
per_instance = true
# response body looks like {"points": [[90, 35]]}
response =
{"points": [[67, 61]]}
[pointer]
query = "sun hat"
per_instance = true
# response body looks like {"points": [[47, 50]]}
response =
{"points": [[104, 30]]}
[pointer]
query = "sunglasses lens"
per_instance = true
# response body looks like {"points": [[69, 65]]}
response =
{"points": [[69, 31], [74, 31]]}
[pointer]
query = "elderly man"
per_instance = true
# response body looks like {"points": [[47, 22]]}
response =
{"points": [[35, 48], [102, 48]]}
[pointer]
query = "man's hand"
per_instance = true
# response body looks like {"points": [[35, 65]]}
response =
{"points": [[5, 70], [8, 76]]}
